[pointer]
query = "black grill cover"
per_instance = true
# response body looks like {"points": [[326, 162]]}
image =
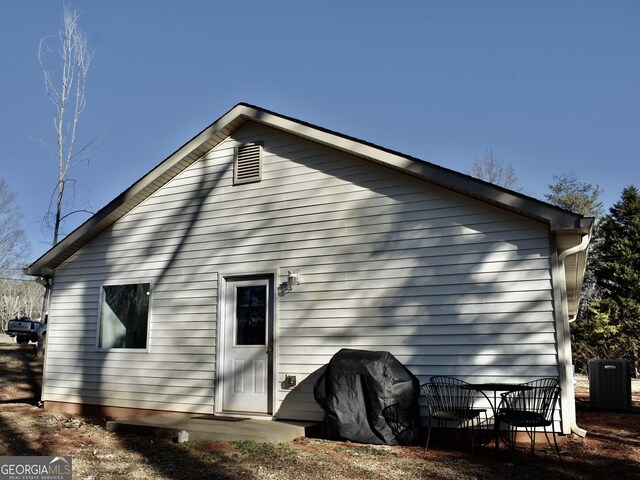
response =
{"points": [[369, 397]]}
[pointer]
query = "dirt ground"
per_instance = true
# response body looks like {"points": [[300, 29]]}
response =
{"points": [[610, 450]]}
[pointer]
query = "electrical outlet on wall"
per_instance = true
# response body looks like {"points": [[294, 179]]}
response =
{"points": [[290, 381]]}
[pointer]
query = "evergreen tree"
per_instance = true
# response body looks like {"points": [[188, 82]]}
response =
{"points": [[571, 194], [612, 324]]}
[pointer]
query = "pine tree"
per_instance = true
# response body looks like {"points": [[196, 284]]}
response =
{"points": [[615, 313], [571, 194]]}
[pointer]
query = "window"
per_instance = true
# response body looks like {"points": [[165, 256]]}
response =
{"points": [[251, 315], [124, 316], [248, 163]]}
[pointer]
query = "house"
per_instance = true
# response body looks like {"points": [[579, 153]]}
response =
{"points": [[224, 279]]}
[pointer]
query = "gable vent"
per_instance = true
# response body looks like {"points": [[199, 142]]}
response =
{"points": [[248, 164]]}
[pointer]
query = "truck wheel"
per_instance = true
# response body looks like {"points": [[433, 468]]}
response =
{"points": [[22, 340]]}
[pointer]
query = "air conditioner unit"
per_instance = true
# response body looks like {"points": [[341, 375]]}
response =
{"points": [[610, 384]]}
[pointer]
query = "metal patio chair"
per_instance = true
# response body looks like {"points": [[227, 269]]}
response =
{"points": [[450, 400], [530, 408], [403, 428]]}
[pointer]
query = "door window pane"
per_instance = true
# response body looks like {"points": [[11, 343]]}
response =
{"points": [[124, 316], [251, 315]]}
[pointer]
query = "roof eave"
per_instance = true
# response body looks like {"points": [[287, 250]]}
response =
{"points": [[557, 218], [103, 218]]}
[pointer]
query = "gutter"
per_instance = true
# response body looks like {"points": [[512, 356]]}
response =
{"points": [[581, 247], [572, 251]]}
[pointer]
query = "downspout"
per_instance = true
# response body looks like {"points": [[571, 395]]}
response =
{"points": [[581, 247]]}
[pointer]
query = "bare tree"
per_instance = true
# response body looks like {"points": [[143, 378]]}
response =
{"points": [[20, 298], [13, 241], [65, 83], [65, 68], [13, 253], [493, 170]]}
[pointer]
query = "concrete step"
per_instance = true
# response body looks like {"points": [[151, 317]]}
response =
{"points": [[214, 427]]}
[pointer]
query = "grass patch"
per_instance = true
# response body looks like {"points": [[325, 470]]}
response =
{"points": [[204, 450], [374, 450], [268, 451], [357, 450]]}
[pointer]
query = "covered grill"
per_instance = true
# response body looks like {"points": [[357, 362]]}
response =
{"points": [[369, 397]]}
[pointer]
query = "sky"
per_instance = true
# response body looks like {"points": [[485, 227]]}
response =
{"points": [[549, 87]]}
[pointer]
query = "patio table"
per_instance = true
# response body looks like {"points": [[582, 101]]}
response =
{"points": [[496, 387]]}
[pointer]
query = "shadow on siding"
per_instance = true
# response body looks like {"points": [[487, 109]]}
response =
{"points": [[428, 330]]}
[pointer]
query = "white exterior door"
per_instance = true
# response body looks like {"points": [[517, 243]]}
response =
{"points": [[247, 359]]}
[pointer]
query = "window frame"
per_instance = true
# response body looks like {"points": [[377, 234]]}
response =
{"points": [[111, 283]]}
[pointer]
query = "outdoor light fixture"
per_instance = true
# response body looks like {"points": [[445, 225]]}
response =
{"points": [[44, 281], [293, 278]]}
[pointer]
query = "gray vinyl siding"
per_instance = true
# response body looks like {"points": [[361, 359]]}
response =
{"points": [[446, 283]]}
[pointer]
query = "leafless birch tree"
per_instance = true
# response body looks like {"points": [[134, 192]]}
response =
{"points": [[65, 68]]}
